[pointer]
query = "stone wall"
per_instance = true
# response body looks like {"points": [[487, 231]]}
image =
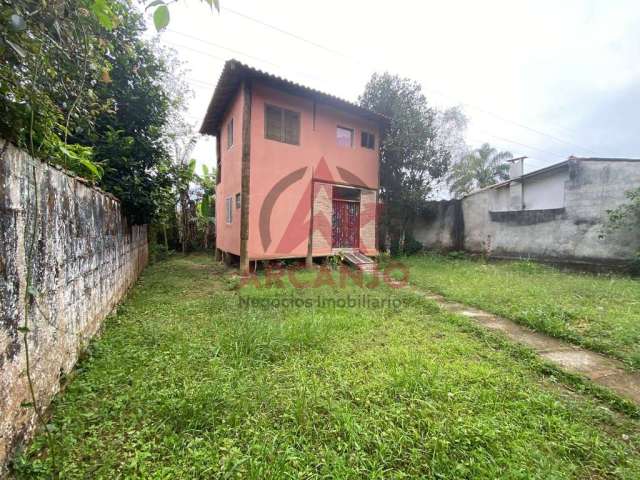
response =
{"points": [[571, 233], [368, 219], [322, 208], [84, 259]]}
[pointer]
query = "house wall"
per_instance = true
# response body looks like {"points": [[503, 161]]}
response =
{"points": [[545, 191], [228, 235], [567, 233], [281, 174], [85, 257]]}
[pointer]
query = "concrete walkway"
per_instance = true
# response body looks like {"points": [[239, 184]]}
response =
{"points": [[600, 369]]}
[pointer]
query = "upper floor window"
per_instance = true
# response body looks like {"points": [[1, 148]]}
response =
{"points": [[238, 200], [230, 133], [344, 136], [368, 140], [281, 125], [229, 209]]}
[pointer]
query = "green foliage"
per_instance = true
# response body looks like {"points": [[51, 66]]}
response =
{"points": [[81, 88], [481, 168], [457, 255], [411, 246], [412, 159], [627, 216], [161, 16], [129, 140], [158, 252], [187, 383], [335, 260], [53, 55], [599, 312]]}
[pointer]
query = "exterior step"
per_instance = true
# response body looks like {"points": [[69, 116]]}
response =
{"points": [[360, 261]]}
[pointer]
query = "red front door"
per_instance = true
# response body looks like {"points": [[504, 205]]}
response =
{"points": [[345, 231]]}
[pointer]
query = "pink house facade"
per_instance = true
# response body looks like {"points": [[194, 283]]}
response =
{"points": [[298, 170]]}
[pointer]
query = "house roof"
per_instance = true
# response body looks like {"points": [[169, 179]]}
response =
{"points": [[234, 72], [551, 168]]}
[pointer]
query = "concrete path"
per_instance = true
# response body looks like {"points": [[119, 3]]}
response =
{"points": [[600, 369]]}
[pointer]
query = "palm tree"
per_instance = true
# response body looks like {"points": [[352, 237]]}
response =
{"points": [[478, 169]]}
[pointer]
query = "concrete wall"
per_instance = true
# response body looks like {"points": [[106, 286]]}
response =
{"points": [[545, 191], [85, 257], [570, 232], [436, 228]]}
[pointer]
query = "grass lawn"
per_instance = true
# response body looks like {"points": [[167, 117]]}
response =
{"points": [[186, 382], [600, 312]]}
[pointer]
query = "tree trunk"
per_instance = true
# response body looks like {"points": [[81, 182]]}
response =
{"points": [[164, 233], [186, 231]]}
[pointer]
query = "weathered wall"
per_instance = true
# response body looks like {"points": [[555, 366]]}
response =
{"points": [[570, 233], [85, 257], [438, 227]]}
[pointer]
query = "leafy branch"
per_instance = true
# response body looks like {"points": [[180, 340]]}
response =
{"points": [[161, 16]]}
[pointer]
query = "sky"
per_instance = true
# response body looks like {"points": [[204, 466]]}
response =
{"points": [[542, 79]]}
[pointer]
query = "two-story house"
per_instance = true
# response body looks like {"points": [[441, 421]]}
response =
{"points": [[298, 169]]}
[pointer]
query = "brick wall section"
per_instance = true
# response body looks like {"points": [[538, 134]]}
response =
{"points": [[368, 222], [322, 213], [85, 259]]}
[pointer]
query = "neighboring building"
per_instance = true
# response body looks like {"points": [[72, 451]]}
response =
{"points": [[558, 213], [297, 168]]}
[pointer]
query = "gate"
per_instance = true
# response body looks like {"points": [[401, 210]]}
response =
{"points": [[345, 231]]}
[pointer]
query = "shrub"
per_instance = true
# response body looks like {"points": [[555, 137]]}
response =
{"points": [[412, 246]]}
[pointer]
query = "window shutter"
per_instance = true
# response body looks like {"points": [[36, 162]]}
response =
{"points": [[229, 212], [291, 127], [273, 123], [230, 134]]}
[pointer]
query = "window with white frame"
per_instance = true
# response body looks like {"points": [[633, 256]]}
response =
{"points": [[229, 209], [344, 136]]}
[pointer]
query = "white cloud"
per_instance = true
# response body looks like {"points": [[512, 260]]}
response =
{"points": [[568, 69]]}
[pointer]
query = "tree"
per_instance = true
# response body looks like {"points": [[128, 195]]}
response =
{"points": [[184, 168], [479, 169], [451, 125], [412, 161], [129, 138], [52, 55], [207, 206]]}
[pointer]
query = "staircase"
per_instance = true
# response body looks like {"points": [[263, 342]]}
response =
{"points": [[360, 261]]}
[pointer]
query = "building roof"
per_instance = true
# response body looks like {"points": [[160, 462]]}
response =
{"points": [[234, 72], [551, 168]]}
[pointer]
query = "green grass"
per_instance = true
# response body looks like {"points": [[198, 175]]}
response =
{"points": [[186, 383], [598, 311]]}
